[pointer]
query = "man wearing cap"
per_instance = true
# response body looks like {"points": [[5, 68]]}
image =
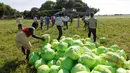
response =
{"points": [[92, 24]]}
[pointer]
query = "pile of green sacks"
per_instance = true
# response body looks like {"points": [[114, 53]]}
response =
{"points": [[79, 55]]}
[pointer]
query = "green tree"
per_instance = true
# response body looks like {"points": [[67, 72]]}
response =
{"points": [[27, 14], [34, 11], [69, 5], [8, 10], [61, 3], [48, 7], [2, 9]]}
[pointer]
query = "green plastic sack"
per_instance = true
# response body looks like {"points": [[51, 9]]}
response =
{"points": [[83, 40], [127, 64], [45, 46], [62, 38], [103, 40], [59, 54], [39, 63], [43, 69], [101, 50], [62, 46], [73, 52], [46, 37], [68, 41], [54, 69], [103, 69], [77, 43], [98, 61], [79, 67], [67, 63], [76, 37], [112, 59], [122, 53], [63, 71], [48, 54], [54, 44], [88, 59], [90, 45], [58, 63], [97, 44], [85, 49], [96, 72], [51, 62], [114, 48], [33, 53], [88, 40], [122, 70], [82, 72], [33, 57]]}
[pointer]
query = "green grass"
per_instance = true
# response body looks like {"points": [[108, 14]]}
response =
{"points": [[115, 29]]}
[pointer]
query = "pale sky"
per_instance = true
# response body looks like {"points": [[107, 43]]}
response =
{"points": [[105, 6]]}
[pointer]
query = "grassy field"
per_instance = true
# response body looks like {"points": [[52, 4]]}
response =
{"points": [[115, 29]]}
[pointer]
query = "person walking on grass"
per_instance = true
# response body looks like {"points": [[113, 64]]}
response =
{"points": [[92, 24], [66, 19], [85, 21], [41, 21], [59, 22], [19, 22], [47, 22], [71, 20], [53, 20], [22, 41], [35, 21], [78, 21]]}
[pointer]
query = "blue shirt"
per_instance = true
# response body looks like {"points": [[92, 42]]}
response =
{"points": [[47, 20]]}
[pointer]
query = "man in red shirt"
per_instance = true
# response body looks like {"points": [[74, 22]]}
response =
{"points": [[22, 41]]}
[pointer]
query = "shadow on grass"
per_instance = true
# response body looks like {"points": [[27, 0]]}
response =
{"points": [[30, 69], [11, 66]]}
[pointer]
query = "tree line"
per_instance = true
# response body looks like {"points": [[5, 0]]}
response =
{"points": [[6, 10], [47, 8]]}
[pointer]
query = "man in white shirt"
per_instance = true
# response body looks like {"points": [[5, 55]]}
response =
{"points": [[19, 22], [35, 21], [59, 22], [41, 21], [92, 24], [66, 19]]}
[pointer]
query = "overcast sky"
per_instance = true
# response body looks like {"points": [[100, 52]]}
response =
{"points": [[105, 6]]}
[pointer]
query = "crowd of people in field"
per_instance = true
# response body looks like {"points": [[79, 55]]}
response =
{"points": [[59, 20], [50, 21]]}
